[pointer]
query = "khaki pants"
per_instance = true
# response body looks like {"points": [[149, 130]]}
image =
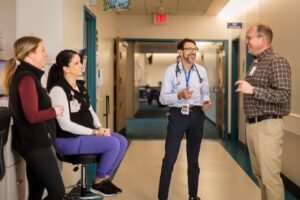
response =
{"points": [[264, 140]]}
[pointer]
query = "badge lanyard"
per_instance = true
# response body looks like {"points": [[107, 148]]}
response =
{"points": [[187, 76], [178, 71], [185, 109]]}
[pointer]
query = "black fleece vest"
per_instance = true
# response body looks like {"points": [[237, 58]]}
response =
{"points": [[79, 103], [28, 136]]}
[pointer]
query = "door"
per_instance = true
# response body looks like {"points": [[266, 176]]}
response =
{"points": [[220, 92], [120, 86], [234, 95], [89, 42]]}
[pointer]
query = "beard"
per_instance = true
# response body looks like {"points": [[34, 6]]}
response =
{"points": [[190, 58]]}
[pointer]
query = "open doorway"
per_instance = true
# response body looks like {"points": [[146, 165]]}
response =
{"points": [[150, 60]]}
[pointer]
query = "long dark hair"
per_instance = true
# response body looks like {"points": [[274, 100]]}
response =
{"points": [[56, 72]]}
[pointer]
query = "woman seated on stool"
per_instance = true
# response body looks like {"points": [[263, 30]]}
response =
{"points": [[79, 130]]}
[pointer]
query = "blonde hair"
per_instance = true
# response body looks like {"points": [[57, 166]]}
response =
{"points": [[22, 48]]}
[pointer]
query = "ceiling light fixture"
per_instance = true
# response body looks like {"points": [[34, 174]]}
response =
{"points": [[235, 7]]}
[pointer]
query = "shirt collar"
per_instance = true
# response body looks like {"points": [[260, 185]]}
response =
{"points": [[265, 53], [181, 66], [37, 71]]}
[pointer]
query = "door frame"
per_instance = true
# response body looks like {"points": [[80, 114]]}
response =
{"points": [[226, 68], [90, 19], [235, 46]]}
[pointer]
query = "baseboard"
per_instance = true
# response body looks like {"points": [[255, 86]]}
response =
{"points": [[292, 187], [289, 185], [242, 146], [214, 123]]}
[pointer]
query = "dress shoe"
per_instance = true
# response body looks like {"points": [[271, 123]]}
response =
{"points": [[194, 198]]}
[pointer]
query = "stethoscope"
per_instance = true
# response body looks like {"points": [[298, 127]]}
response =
{"points": [[178, 70]]}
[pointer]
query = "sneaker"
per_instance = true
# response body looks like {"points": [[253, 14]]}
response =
{"points": [[194, 198], [119, 190], [103, 189]]}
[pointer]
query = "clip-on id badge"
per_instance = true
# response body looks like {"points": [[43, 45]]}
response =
{"points": [[185, 109], [252, 71]]}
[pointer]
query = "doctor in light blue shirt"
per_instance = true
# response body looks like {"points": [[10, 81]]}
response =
{"points": [[185, 90]]}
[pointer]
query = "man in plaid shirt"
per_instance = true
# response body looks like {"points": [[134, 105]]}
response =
{"points": [[267, 98]]}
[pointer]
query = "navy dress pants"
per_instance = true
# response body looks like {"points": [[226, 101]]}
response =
{"points": [[179, 124]]}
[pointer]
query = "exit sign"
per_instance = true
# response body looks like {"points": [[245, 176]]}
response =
{"points": [[160, 18]]}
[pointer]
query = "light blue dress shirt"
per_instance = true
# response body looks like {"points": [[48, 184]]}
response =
{"points": [[172, 85]]}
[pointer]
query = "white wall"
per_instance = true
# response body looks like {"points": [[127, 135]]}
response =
{"points": [[140, 68], [155, 72], [197, 27], [7, 27], [42, 19], [72, 23], [210, 63]]}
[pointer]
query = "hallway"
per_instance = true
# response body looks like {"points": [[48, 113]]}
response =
{"points": [[122, 51], [220, 178], [225, 165]]}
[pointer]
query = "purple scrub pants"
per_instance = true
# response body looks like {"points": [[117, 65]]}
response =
{"points": [[112, 149]]}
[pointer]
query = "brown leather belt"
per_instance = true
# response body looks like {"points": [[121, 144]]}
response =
{"points": [[252, 120]]}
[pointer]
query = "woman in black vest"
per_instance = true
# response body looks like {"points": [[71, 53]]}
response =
{"points": [[79, 129], [34, 125]]}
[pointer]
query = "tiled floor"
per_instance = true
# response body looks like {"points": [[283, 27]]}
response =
{"points": [[221, 177]]}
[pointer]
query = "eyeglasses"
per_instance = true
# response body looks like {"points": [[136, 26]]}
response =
{"points": [[249, 37], [191, 49]]}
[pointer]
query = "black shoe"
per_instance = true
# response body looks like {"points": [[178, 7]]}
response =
{"points": [[194, 198], [103, 189], [110, 184]]}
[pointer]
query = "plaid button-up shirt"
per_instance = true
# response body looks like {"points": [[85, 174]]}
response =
{"points": [[272, 82]]}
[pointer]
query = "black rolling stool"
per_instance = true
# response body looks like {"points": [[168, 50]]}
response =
{"points": [[4, 127], [82, 159]]}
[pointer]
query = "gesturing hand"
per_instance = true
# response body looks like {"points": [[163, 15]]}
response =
{"points": [[244, 87], [185, 93], [206, 105]]}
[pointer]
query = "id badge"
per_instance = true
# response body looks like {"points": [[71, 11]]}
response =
{"points": [[185, 109], [74, 106], [252, 71]]}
